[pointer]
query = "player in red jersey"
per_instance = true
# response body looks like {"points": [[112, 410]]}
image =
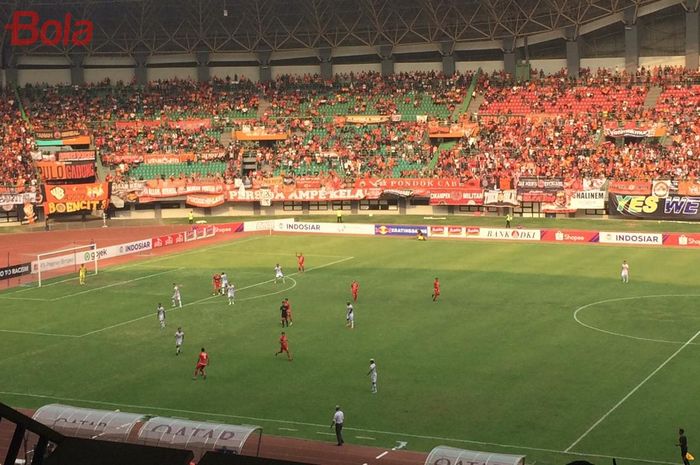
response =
{"points": [[354, 288], [288, 306], [216, 281], [300, 262], [202, 363], [436, 289], [284, 346]]}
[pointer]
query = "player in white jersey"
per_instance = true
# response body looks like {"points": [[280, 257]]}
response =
{"points": [[160, 311], [372, 373], [278, 273], [224, 283], [350, 316], [177, 299], [625, 272], [179, 339], [231, 293]]}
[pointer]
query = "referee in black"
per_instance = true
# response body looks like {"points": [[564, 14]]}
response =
{"points": [[338, 419], [683, 444]]}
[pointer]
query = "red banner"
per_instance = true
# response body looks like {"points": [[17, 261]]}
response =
{"points": [[630, 187], [682, 240], [138, 124], [53, 134], [297, 195], [459, 196], [75, 198], [167, 158], [568, 235], [408, 183], [205, 201], [168, 239], [58, 170], [76, 155]]}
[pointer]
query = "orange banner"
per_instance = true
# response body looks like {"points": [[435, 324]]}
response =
{"points": [[689, 188], [630, 187], [243, 135], [75, 198]]}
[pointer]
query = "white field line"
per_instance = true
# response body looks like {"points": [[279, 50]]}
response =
{"points": [[381, 455], [629, 394], [620, 299], [116, 325], [143, 262], [148, 409], [324, 433], [36, 333], [366, 437], [119, 283], [8, 297]]}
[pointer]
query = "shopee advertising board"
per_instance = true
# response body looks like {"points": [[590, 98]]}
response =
{"points": [[569, 235], [683, 240], [325, 228]]}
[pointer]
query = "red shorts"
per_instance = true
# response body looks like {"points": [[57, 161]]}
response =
{"points": [[284, 349], [200, 367], [436, 291]]}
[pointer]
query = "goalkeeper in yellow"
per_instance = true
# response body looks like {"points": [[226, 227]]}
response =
{"points": [[82, 274]]}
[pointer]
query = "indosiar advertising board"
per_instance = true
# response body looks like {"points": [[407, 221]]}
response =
{"points": [[672, 207]]}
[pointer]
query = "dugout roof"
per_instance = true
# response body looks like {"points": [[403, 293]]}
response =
{"points": [[196, 436], [444, 455], [88, 423]]}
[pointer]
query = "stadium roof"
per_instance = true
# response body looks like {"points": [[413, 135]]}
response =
{"points": [[185, 26]]}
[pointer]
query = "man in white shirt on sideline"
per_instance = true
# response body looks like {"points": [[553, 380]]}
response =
{"points": [[338, 420]]}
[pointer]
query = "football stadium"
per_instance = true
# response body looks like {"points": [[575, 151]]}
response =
{"points": [[349, 232]]}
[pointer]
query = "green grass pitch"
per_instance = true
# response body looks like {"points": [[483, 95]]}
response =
{"points": [[498, 364]]}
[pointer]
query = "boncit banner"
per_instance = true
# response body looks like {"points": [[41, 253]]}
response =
{"points": [[75, 198]]}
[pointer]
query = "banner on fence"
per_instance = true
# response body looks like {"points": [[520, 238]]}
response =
{"points": [[75, 198], [76, 155], [629, 187], [167, 240], [324, 228], [43, 134], [631, 238], [13, 271], [65, 171], [510, 234], [458, 196], [682, 239], [673, 207], [569, 235], [560, 204], [167, 158], [18, 199], [588, 200], [205, 201], [399, 230], [499, 198]]}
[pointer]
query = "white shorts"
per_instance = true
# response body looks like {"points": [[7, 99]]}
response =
{"points": [[279, 275]]}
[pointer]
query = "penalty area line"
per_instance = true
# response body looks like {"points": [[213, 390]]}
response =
{"points": [[148, 409]]}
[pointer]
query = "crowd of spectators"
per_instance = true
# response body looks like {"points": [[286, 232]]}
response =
{"points": [[17, 172], [551, 126]]}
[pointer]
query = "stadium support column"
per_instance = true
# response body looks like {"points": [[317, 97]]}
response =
{"points": [[202, 58], [77, 71], [9, 63], [573, 52], [264, 60], [631, 41], [509, 56], [448, 57], [692, 37], [141, 72], [324, 56], [386, 53]]}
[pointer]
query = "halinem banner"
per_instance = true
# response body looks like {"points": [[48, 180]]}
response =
{"points": [[672, 207]]}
